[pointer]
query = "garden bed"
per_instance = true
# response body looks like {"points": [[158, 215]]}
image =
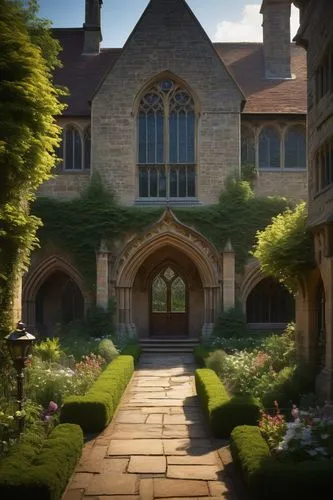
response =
{"points": [[224, 412], [42, 475], [268, 478]]}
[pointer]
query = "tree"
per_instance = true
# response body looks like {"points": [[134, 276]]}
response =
{"points": [[285, 247], [29, 135]]}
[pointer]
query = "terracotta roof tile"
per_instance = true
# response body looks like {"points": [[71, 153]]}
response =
{"points": [[82, 74], [246, 63]]}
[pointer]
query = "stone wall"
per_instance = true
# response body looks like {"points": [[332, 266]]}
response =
{"points": [[177, 37], [287, 183]]}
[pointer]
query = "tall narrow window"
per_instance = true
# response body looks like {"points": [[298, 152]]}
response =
{"points": [[248, 146], [269, 148], [87, 148], [295, 148], [73, 149], [166, 142]]}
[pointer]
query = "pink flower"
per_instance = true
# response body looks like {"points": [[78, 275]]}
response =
{"points": [[52, 408]]}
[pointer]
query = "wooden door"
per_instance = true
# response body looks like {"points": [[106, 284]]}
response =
{"points": [[168, 305]]}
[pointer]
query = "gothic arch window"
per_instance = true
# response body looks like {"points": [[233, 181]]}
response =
{"points": [[295, 147], [248, 156], [166, 156], [269, 148], [87, 148], [72, 148], [270, 302]]}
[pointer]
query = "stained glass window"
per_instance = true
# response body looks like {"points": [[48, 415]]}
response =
{"points": [[73, 149], [269, 148], [166, 142], [159, 295], [295, 148], [178, 296], [248, 146]]}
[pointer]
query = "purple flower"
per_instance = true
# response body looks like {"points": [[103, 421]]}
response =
{"points": [[52, 408]]}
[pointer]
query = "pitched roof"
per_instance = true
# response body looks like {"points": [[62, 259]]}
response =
{"points": [[82, 74], [246, 63]]}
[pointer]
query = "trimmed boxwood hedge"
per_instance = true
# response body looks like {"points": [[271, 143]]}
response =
{"points": [[42, 475], [94, 410], [222, 411], [266, 477]]}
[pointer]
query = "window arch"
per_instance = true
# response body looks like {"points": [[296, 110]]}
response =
{"points": [[166, 124], [73, 148], [269, 148], [248, 156], [270, 302], [87, 148], [295, 147]]}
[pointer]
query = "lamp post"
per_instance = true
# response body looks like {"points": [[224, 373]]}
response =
{"points": [[19, 343]]}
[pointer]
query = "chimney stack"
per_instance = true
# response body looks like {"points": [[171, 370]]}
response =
{"points": [[276, 31], [92, 27]]}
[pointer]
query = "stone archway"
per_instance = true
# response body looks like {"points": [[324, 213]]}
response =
{"points": [[40, 275], [169, 239]]}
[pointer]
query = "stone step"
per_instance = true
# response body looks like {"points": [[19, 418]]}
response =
{"points": [[164, 349]]}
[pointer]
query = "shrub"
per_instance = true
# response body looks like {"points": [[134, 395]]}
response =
{"points": [[200, 354], [266, 477], [94, 410], [48, 350], [215, 361], [231, 323], [42, 475], [132, 350], [107, 350], [222, 411]]}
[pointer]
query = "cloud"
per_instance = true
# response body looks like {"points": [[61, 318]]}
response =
{"points": [[248, 28]]}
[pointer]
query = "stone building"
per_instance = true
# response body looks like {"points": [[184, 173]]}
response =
{"points": [[164, 121], [315, 300]]}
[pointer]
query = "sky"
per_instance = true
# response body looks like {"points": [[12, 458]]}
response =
{"points": [[223, 20]]}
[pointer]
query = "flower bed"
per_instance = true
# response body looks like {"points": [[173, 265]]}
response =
{"points": [[94, 410], [224, 412], [41, 474], [269, 478]]}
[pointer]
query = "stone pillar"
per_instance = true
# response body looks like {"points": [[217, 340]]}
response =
{"points": [[102, 276], [228, 258], [324, 381], [125, 327]]}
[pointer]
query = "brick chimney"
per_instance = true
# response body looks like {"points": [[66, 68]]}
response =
{"points": [[92, 27], [276, 31]]}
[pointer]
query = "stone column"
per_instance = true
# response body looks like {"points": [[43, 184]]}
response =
{"points": [[324, 381], [228, 259], [102, 276]]}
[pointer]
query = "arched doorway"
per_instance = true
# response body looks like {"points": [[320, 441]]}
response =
{"points": [[58, 301], [168, 304], [270, 303]]}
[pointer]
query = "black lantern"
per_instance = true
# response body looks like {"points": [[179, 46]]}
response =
{"points": [[19, 343]]}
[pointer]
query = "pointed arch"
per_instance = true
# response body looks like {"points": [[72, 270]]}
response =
{"points": [[169, 231]]}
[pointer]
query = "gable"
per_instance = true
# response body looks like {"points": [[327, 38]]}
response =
{"points": [[168, 37]]}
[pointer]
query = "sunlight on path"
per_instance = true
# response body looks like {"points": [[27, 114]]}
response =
{"points": [[158, 445]]}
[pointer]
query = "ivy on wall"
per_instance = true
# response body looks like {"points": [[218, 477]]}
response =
{"points": [[77, 226]]}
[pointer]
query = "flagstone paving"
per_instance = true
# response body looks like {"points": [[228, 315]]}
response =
{"points": [[158, 445]]}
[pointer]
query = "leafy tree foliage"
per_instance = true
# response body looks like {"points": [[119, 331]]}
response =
{"points": [[285, 247], [28, 137]]}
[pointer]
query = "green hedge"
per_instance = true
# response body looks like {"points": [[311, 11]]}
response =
{"points": [[268, 478], [94, 410], [222, 411], [26, 474], [132, 350]]}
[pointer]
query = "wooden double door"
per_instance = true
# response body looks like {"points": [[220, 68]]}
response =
{"points": [[168, 304]]}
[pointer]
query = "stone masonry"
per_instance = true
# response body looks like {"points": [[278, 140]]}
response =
{"points": [[158, 445]]}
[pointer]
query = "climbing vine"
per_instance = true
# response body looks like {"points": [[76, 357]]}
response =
{"points": [[77, 226]]}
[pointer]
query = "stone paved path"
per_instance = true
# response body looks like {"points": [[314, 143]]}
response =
{"points": [[158, 445]]}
